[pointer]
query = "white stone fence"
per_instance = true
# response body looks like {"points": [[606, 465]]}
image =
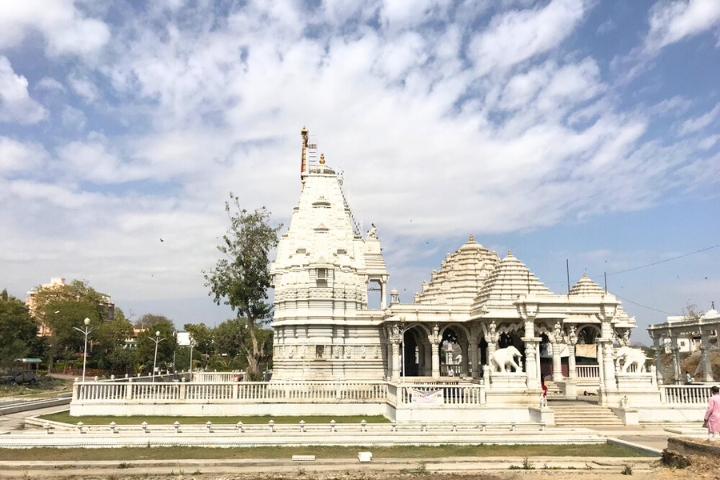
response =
{"points": [[440, 394], [588, 371], [229, 392], [685, 394], [200, 377]]}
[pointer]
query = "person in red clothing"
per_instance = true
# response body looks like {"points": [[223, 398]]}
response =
{"points": [[544, 389]]}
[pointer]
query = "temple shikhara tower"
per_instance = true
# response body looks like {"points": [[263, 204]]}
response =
{"points": [[323, 327]]}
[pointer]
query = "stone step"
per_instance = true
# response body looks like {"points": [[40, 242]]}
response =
{"points": [[580, 413]]}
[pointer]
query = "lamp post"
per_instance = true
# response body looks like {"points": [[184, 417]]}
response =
{"points": [[85, 331], [192, 344], [157, 341]]}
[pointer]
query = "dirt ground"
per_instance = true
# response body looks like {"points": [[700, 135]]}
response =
{"points": [[701, 468]]}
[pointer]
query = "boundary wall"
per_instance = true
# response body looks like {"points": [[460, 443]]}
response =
{"points": [[460, 402]]}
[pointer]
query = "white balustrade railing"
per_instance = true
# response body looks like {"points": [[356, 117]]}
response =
{"points": [[230, 392], [685, 394], [587, 371], [439, 394], [201, 377]]}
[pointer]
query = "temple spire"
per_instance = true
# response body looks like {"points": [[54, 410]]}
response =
{"points": [[303, 158]]}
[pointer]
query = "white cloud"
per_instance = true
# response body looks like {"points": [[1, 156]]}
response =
{"points": [[16, 105], [73, 118], [50, 84], [65, 28], [672, 22], [518, 35], [695, 124], [211, 105], [84, 87], [17, 157]]}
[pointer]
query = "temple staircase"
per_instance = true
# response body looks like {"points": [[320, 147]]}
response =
{"points": [[582, 413]]}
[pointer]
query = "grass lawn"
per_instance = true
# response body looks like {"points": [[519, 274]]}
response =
{"points": [[169, 420], [171, 453]]}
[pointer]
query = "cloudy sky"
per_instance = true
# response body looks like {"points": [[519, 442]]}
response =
{"points": [[560, 129]]}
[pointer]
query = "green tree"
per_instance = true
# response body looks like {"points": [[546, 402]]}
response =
{"points": [[62, 307], [18, 330], [241, 279], [145, 350], [202, 338], [150, 320], [109, 338]]}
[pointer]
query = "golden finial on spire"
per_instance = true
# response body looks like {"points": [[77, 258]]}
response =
{"points": [[322, 159], [304, 130], [471, 238], [509, 252], [584, 274]]}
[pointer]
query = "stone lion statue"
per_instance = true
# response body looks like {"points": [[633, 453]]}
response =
{"points": [[630, 356], [505, 356]]}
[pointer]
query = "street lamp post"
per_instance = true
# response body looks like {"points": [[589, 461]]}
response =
{"points": [[85, 331], [192, 344], [157, 341]]}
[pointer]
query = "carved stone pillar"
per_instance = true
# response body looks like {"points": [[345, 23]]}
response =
{"points": [[395, 361], [464, 347], [383, 295], [608, 365], [675, 349], [705, 356], [571, 340], [657, 343], [531, 363], [557, 341], [557, 375], [473, 352], [434, 340], [427, 365], [491, 337]]}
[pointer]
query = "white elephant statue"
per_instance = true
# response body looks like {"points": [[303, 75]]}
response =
{"points": [[503, 357], [631, 356]]}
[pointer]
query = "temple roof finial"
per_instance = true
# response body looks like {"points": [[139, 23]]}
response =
{"points": [[471, 238], [509, 252], [322, 159], [584, 274]]}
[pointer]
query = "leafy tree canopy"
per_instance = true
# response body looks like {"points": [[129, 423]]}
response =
{"points": [[242, 277], [150, 320], [18, 330], [202, 336], [145, 349]]}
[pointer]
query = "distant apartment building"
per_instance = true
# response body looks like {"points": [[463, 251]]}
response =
{"points": [[58, 283]]}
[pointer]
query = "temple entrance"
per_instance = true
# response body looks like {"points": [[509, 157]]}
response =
{"points": [[412, 354]]}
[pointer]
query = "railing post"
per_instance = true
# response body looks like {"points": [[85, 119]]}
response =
{"points": [[76, 390], [128, 389]]}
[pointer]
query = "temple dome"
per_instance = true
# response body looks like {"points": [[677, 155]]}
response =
{"points": [[585, 286], [461, 276], [510, 279]]}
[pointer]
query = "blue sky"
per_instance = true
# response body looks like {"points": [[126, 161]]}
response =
{"points": [[562, 129]]}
